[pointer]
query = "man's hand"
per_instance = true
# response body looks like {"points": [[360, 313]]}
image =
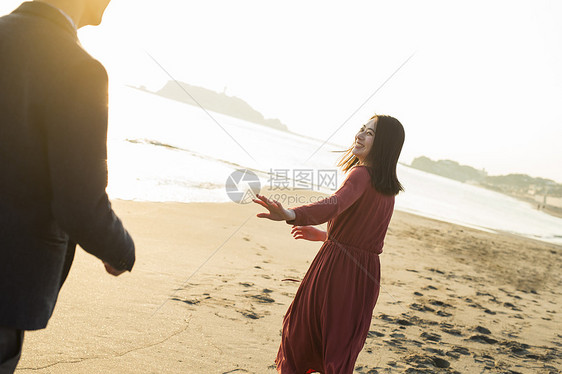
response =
{"points": [[111, 270]]}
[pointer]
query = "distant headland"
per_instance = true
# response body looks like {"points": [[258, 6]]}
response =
{"points": [[544, 194], [218, 102]]}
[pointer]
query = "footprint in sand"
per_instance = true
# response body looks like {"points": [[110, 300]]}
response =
{"points": [[425, 308], [512, 306], [482, 330], [396, 343], [263, 298], [374, 334], [421, 308], [436, 271], [366, 370], [436, 351], [457, 351], [430, 287], [431, 336], [250, 314], [449, 329], [187, 301], [440, 303], [484, 339], [420, 362]]}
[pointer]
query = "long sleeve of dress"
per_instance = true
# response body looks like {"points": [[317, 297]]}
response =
{"points": [[325, 209]]}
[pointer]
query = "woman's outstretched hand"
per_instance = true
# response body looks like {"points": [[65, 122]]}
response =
{"points": [[308, 233], [276, 210]]}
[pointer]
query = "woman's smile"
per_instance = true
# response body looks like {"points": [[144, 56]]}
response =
{"points": [[358, 145]]}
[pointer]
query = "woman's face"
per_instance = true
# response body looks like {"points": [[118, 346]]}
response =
{"points": [[364, 140]]}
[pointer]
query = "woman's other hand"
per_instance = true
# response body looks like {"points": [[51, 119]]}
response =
{"points": [[276, 210], [308, 233]]}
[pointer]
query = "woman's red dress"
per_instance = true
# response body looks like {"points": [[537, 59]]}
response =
{"points": [[327, 323]]}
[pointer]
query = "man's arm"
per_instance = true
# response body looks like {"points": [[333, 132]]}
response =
{"points": [[75, 126]]}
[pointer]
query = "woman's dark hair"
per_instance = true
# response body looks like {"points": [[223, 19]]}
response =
{"points": [[382, 158]]}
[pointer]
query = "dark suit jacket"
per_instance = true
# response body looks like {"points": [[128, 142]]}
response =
{"points": [[53, 170]]}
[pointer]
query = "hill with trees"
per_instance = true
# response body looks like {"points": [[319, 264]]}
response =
{"points": [[535, 190]]}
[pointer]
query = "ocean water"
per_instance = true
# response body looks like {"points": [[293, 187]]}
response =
{"points": [[163, 150]]}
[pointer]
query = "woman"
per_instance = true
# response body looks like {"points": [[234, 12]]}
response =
{"points": [[327, 323]]}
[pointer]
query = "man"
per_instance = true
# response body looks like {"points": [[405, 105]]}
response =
{"points": [[53, 171]]}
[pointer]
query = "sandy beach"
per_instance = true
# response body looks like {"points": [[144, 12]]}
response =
{"points": [[207, 295]]}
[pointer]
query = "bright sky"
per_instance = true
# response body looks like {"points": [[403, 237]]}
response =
{"points": [[483, 88]]}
